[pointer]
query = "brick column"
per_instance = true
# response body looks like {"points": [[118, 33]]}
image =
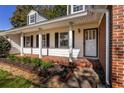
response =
{"points": [[118, 46]]}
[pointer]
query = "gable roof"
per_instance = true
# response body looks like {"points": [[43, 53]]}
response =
{"points": [[85, 16]]}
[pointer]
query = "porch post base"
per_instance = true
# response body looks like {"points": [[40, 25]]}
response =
{"points": [[21, 54], [40, 56], [70, 60]]}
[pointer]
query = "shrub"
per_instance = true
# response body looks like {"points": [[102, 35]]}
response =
{"points": [[11, 57], [36, 61], [5, 47], [19, 59], [26, 59], [46, 65]]}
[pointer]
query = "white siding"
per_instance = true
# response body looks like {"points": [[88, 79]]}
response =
{"points": [[15, 43]]}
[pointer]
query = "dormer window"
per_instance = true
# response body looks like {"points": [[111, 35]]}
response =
{"points": [[77, 8], [32, 18]]}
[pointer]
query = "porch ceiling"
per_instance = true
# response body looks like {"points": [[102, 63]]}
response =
{"points": [[83, 18]]}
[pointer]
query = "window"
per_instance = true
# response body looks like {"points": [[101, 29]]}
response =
{"points": [[32, 18], [64, 40], [77, 8], [44, 42], [27, 41]]}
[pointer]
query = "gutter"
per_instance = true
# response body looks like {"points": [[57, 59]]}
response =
{"points": [[107, 59]]}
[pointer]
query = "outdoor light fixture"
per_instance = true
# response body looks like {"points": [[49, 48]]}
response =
{"points": [[79, 30]]}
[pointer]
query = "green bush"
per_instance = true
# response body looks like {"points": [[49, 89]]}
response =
{"points": [[36, 61], [46, 65], [18, 59], [26, 59], [5, 47], [12, 57]]}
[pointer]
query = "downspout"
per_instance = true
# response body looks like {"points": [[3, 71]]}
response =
{"points": [[107, 48], [107, 59]]}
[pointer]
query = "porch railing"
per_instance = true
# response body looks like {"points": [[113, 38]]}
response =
{"points": [[52, 52]]}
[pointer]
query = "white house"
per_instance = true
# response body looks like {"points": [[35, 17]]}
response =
{"points": [[81, 33], [73, 35], [87, 31]]}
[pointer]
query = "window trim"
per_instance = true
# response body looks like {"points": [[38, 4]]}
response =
{"points": [[72, 9]]}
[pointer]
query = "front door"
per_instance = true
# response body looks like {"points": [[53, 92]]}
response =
{"points": [[90, 42]]}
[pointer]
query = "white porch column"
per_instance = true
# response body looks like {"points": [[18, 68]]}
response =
{"points": [[22, 35], [70, 41], [40, 45]]}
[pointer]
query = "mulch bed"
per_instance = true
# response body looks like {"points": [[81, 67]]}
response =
{"points": [[45, 75], [23, 66]]}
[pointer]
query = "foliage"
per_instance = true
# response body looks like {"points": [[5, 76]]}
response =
{"points": [[36, 61], [12, 57], [26, 59], [9, 81], [52, 11], [5, 46], [46, 65], [19, 17]]}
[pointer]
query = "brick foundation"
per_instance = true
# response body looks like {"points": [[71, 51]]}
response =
{"points": [[117, 49]]}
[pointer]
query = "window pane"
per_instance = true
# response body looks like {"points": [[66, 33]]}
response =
{"points": [[44, 41], [64, 39], [32, 18], [90, 34], [27, 42], [77, 8]]}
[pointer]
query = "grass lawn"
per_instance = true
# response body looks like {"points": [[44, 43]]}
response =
{"points": [[7, 80]]}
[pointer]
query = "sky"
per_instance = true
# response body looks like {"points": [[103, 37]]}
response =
{"points": [[6, 12]]}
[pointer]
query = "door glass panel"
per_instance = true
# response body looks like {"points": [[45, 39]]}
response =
{"points": [[90, 34]]}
